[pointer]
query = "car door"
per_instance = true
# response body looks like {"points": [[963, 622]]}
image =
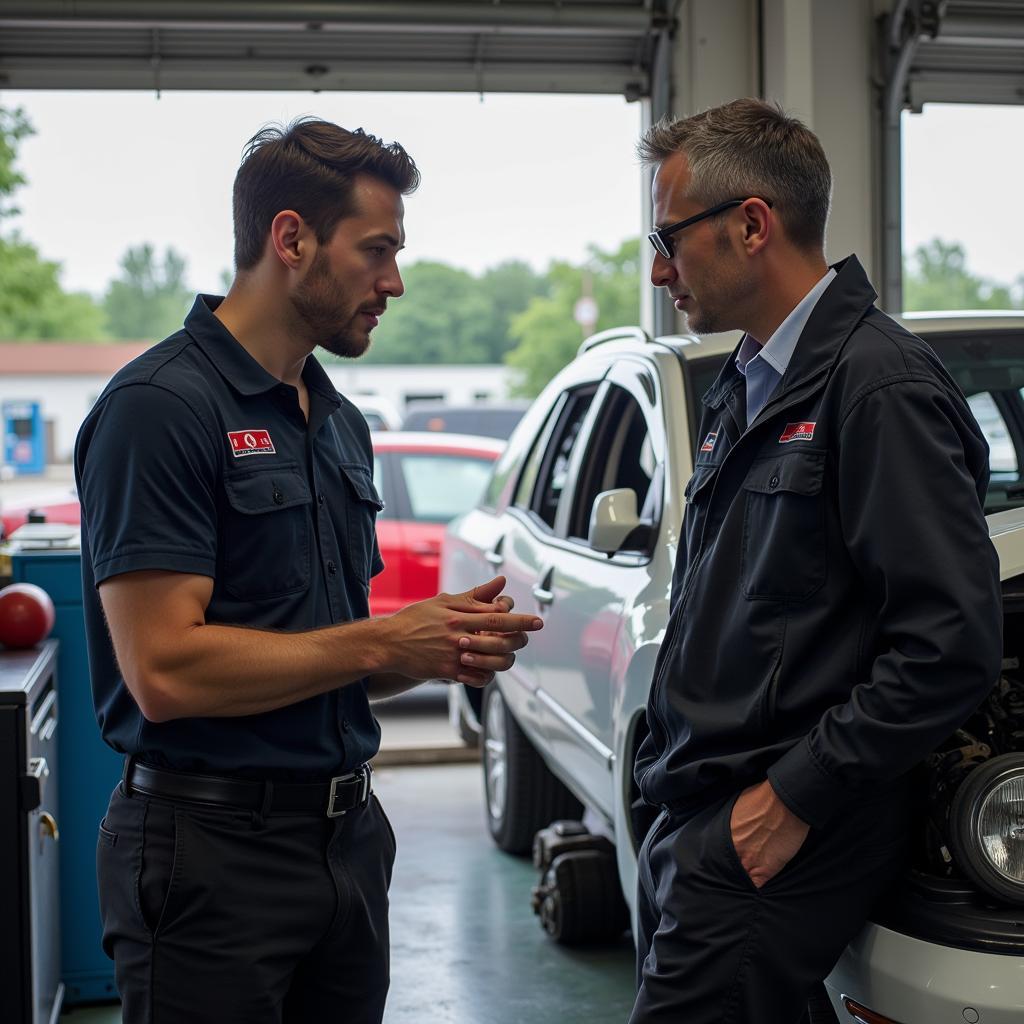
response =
{"points": [[582, 593], [521, 552]]}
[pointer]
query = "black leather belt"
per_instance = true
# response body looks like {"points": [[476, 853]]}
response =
{"points": [[332, 799]]}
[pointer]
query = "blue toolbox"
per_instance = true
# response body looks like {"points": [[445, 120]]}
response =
{"points": [[89, 771]]}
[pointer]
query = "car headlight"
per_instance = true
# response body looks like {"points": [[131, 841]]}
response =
{"points": [[986, 827]]}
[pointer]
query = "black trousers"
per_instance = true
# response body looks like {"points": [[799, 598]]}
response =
{"points": [[714, 949], [216, 915]]}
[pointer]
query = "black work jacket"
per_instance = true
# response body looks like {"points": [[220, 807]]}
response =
{"points": [[836, 607]]}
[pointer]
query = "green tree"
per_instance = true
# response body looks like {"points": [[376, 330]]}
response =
{"points": [[449, 316], [149, 299], [33, 305], [936, 277], [509, 288], [14, 127], [442, 318], [547, 333]]}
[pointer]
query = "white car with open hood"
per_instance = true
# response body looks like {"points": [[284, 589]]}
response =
{"points": [[582, 516]]}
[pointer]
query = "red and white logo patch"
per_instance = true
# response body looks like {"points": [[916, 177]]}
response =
{"points": [[709, 442], [798, 432], [250, 442]]}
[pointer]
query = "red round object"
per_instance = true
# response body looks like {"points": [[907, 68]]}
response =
{"points": [[26, 615]]}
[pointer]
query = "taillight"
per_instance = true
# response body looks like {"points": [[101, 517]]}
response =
{"points": [[863, 1015]]}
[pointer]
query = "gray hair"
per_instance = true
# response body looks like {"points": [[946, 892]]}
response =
{"points": [[751, 148]]}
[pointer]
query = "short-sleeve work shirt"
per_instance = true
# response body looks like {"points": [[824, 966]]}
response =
{"points": [[197, 460]]}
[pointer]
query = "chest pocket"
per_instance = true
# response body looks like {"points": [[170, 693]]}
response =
{"points": [[265, 541], [363, 504], [784, 527], [698, 499]]}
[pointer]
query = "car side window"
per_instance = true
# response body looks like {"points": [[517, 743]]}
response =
{"points": [[528, 478], [620, 455], [552, 466]]}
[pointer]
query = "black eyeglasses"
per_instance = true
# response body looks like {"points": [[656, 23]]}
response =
{"points": [[662, 240]]}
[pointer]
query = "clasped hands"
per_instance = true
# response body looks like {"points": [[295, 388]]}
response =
{"points": [[465, 637]]}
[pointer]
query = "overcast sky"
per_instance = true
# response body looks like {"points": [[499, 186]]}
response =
{"points": [[526, 177]]}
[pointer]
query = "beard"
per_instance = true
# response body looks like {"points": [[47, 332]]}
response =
{"points": [[329, 315], [729, 290]]}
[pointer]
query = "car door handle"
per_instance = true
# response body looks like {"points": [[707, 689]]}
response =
{"points": [[542, 591], [495, 557], [426, 550]]}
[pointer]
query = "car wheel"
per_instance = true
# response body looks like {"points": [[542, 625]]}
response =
{"points": [[521, 795]]}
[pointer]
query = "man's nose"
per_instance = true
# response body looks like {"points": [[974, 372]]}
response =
{"points": [[392, 284], [662, 271]]}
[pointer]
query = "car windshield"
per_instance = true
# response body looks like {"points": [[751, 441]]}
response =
{"points": [[989, 368], [441, 487]]}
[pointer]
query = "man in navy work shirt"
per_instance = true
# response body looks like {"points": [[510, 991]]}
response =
{"points": [[228, 513], [835, 608]]}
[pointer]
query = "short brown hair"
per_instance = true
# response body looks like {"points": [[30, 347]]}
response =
{"points": [[751, 148], [309, 167]]}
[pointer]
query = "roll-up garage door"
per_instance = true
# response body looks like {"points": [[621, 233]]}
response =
{"points": [[582, 46], [971, 51]]}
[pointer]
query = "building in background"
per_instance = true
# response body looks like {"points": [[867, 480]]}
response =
{"points": [[67, 378]]}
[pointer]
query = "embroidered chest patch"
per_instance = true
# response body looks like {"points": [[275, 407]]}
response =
{"points": [[250, 442], [798, 432], [709, 442]]}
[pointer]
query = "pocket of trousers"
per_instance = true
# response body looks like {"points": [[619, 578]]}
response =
{"points": [[387, 823], [725, 825], [161, 863]]}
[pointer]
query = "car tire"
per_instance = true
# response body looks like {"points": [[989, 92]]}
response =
{"points": [[521, 795]]}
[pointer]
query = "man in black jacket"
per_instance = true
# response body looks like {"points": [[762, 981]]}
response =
{"points": [[835, 606]]}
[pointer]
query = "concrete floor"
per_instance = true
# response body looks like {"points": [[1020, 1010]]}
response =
{"points": [[465, 944]]}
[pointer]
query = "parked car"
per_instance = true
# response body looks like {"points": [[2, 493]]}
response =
{"points": [[484, 419], [62, 508], [583, 517], [379, 413], [424, 480]]}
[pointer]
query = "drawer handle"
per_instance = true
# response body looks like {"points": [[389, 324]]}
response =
{"points": [[48, 827]]}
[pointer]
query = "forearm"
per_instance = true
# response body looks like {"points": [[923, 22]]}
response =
{"points": [[227, 671], [177, 665]]}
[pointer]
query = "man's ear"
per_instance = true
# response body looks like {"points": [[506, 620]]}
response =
{"points": [[757, 226], [290, 238]]}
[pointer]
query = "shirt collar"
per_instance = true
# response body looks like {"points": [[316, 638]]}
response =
{"points": [[235, 364], [778, 350]]}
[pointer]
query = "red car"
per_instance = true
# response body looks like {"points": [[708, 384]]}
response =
{"points": [[425, 480], [63, 509]]}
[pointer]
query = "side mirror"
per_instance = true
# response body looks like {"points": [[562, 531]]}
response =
{"points": [[612, 519]]}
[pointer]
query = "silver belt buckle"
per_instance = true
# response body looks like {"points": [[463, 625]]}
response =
{"points": [[363, 773]]}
